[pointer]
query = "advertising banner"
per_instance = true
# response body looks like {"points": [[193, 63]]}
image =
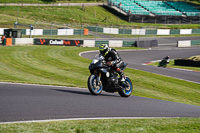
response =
{"points": [[58, 42]]}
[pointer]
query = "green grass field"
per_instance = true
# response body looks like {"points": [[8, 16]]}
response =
{"points": [[92, 15], [156, 125]]}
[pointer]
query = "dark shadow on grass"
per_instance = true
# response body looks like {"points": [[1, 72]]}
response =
{"points": [[82, 92], [116, 13], [48, 1]]}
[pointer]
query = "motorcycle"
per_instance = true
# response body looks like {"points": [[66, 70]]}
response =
{"points": [[103, 77], [163, 63]]}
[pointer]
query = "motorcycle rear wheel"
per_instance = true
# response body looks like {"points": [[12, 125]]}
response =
{"points": [[126, 91], [92, 85]]}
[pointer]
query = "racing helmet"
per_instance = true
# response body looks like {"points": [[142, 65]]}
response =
{"points": [[167, 57], [104, 49]]}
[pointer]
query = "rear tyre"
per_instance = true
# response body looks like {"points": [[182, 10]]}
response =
{"points": [[127, 89], [93, 86]]}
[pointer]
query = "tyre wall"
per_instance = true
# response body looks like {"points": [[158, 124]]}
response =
{"points": [[183, 62]]}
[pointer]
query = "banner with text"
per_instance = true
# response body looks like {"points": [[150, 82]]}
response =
{"points": [[58, 42]]}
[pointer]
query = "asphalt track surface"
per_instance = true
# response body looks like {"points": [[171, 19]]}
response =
{"points": [[22, 102]]}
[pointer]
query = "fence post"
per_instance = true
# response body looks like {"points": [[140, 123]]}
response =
{"points": [[34, 28], [30, 30], [142, 19], [199, 19], [66, 32], [81, 30], [96, 33], [123, 33], [51, 29]]}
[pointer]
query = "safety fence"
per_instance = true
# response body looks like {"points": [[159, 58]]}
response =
{"points": [[51, 31], [91, 43], [142, 31], [111, 31]]}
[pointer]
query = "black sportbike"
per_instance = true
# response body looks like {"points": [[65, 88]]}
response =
{"points": [[163, 63], [103, 77]]}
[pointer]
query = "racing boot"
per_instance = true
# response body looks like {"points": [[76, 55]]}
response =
{"points": [[121, 73], [122, 80], [122, 77]]}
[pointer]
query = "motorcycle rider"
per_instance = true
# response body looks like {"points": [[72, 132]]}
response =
{"points": [[167, 59], [164, 62], [113, 59]]}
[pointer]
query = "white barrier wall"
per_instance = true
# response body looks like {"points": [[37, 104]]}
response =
{"points": [[184, 43], [163, 31], [2, 31], [186, 31], [24, 41], [34, 32], [138, 31], [115, 43], [111, 30], [65, 32], [89, 43]]}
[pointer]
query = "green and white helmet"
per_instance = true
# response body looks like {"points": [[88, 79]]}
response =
{"points": [[104, 49]]}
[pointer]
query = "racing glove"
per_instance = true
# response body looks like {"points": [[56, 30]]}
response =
{"points": [[111, 63]]}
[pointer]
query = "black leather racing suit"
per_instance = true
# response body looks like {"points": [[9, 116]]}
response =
{"points": [[111, 56]]}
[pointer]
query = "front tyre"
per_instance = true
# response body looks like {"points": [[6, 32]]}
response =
{"points": [[127, 89], [159, 64], [94, 87]]}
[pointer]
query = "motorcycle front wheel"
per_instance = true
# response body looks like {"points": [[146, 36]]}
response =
{"points": [[127, 89], [94, 87]]}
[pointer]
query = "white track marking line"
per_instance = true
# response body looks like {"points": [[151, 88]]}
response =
{"points": [[80, 54], [146, 63], [40, 85], [73, 119]]}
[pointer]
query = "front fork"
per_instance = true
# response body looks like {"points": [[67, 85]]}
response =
{"points": [[99, 79]]}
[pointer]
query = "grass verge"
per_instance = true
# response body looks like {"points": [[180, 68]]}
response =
{"points": [[164, 125], [58, 65]]}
